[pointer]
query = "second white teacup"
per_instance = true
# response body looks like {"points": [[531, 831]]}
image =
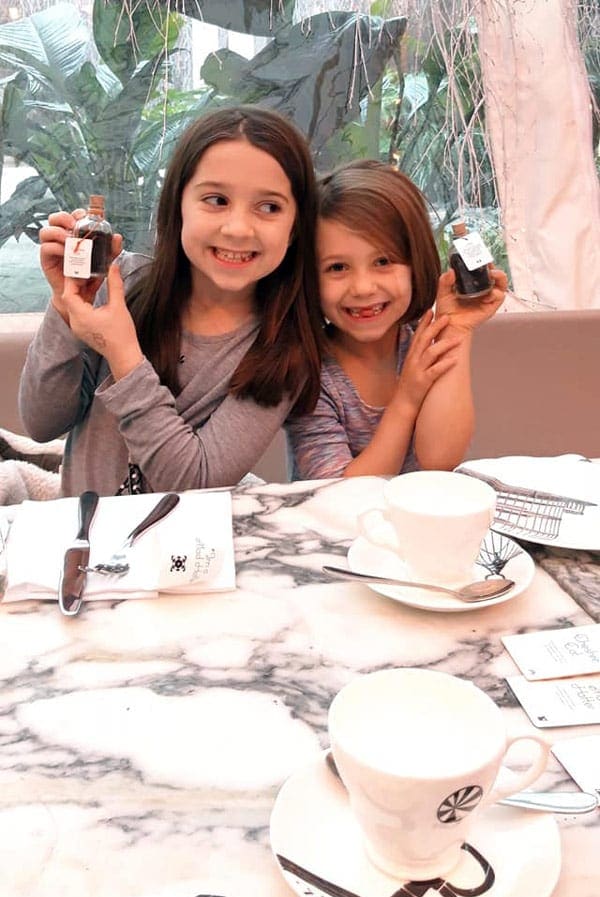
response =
{"points": [[420, 754], [435, 522]]}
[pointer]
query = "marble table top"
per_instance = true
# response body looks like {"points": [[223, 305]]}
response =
{"points": [[143, 743]]}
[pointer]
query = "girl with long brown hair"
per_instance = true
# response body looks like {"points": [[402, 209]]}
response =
{"points": [[178, 375]]}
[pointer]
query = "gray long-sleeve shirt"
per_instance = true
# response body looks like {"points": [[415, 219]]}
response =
{"points": [[203, 437]]}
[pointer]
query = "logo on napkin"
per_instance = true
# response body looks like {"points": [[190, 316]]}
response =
{"points": [[178, 563]]}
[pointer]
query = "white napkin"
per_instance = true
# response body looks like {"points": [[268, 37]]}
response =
{"points": [[189, 551]]}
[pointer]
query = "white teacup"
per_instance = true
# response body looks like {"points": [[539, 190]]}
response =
{"points": [[435, 522], [419, 753]]}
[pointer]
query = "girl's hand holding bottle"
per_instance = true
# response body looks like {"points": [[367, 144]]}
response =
{"points": [[109, 328], [52, 238], [464, 315]]}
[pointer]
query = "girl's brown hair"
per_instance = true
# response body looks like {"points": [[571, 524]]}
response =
{"points": [[388, 210], [285, 357]]}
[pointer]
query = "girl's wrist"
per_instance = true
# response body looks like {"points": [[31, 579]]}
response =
{"points": [[58, 303], [123, 365], [403, 406], [455, 327]]}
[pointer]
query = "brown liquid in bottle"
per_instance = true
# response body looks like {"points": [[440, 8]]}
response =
{"points": [[469, 284], [95, 227]]}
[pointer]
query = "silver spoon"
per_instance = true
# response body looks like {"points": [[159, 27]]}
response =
{"points": [[553, 801], [481, 590], [567, 802]]}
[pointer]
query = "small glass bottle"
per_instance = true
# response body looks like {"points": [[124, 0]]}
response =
{"points": [[95, 227], [469, 258]]}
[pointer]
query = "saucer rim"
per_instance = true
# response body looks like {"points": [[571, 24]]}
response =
{"points": [[538, 821], [450, 604]]}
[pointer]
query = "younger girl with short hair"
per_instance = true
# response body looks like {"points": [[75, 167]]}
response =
{"points": [[179, 375], [395, 384]]}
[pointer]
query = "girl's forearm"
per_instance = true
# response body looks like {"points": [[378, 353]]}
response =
{"points": [[50, 389], [446, 421], [387, 449]]}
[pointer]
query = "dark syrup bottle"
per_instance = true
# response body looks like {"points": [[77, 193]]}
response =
{"points": [[95, 227], [469, 284]]}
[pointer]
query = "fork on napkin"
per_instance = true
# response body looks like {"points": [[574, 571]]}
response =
{"points": [[189, 551]]}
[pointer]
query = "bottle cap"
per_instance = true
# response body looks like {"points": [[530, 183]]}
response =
{"points": [[96, 201], [459, 228]]}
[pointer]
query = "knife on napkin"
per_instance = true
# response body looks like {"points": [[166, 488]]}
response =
{"points": [[73, 576]]}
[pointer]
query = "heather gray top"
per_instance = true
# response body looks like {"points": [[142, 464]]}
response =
{"points": [[204, 437], [323, 443]]}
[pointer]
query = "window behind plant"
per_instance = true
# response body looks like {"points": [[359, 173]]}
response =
{"points": [[95, 94]]}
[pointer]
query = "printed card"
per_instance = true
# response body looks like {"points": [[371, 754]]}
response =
{"points": [[78, 257], [581, 758], [559, 702], [552, 654], [473, 250]]}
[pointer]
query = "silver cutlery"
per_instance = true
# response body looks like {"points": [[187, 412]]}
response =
{"points": [[482, 590], [73, 575], [567, 802], [118, 564]]}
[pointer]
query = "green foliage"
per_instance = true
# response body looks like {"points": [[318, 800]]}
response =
{"points": [[86, 112], [95, 113], [427, 142], [258, 17], [438, 140], [312, 73]]}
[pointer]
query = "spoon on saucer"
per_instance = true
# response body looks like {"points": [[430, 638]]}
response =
{"points": [[482, 590]]}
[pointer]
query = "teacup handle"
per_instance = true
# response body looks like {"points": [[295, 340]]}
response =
{"points": [[367, 526], [518, 782]]}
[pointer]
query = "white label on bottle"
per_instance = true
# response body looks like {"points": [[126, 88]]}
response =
{"points": [[78, 257], [473, 250]]}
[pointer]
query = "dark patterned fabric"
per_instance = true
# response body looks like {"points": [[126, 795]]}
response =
{"points": [[134, 484]]}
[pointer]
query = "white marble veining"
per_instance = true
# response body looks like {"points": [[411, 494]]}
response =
{"points": [[143, 742]]}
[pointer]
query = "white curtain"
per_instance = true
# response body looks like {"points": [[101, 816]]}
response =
{"points": [[539, 118]]}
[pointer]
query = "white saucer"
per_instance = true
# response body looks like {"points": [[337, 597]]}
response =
{"points": [[316, 842], [365, 557]]}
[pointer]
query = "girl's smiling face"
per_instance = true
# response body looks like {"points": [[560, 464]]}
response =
{"points": [[238, 213], [364, 293]]}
